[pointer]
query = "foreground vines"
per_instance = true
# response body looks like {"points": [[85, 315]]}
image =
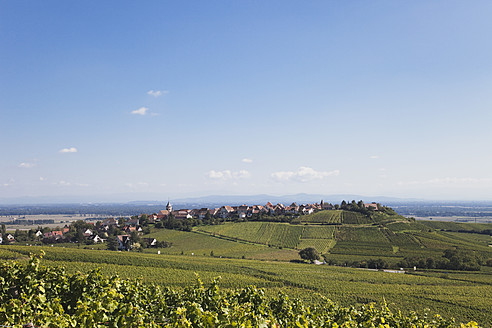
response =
{"points": [[41, 296]]}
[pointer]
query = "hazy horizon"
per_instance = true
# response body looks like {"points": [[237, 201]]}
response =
{"points": [[174, 99]]}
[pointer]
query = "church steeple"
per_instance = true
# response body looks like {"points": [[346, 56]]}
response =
{"points": [[169, 207]]}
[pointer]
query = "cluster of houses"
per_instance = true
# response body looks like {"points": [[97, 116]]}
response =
{"points": [[245, 211], [97, 234], [125, 241], [9, 238]]}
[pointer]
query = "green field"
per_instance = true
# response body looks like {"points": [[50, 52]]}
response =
{"points": [[393, 240], [199, 243], [259, 253], [322, 217], [266, 233], [461, 295]]}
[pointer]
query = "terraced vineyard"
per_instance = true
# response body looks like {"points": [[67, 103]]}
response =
{"points": [[354, 218], [322, 217], [204, 243], [275, 234], [321, 245], [361, 234], [318, 232], [266, 233], [393, 240]]}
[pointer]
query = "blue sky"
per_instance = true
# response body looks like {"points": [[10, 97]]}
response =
{"points": [[161, 99]]}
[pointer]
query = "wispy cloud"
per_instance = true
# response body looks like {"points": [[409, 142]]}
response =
{"points": [[140, 111], [26, 165], [228, 174], [42, 179], [62, 183], [303, 174], [374, 157], [157, 93], [247, 160], [68, 150]]}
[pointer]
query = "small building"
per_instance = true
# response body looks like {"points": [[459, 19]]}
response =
{"points": [[163, 214], [97, 239], [226, 211], [151, 242], [124, 242], [372, 206], [242, 211], [293, 208]]}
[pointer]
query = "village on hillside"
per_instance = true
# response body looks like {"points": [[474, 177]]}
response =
{"points": [[126, 233], [245, 211]]}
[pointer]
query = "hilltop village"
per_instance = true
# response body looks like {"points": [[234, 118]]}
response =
{"points": [[125, 234], [246, 211]]}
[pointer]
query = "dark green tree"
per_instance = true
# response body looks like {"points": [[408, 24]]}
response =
{"points": [[309, 254], [112, 243]]}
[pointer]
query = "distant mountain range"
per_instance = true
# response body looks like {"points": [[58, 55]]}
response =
{"points": [[150, 199], [298, 198]]}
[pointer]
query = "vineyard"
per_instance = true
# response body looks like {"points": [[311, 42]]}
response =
{"points": [[266, 233], [275, 234], [43, 296], [460, 295], [395, 239], [322, 217], [258, 253], [202, 243]]}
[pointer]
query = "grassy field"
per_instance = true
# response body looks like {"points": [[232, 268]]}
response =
{"points": [[203, 244], [322, 217], [259, 253], [465, 296], [392, 239], [266, 233]]}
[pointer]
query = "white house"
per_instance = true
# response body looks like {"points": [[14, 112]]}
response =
{"points": [[98, 239]]}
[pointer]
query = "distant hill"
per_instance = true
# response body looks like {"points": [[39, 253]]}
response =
{"points": [[264, 198]]}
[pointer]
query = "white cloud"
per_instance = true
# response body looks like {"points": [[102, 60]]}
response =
{"points": [[140, 111], [374, 157], [42, 179], [219, 174], [157, 93], [26, 165], [63, 183], [282, 176], [247, 160], [68, 150], [243, 174], [303, 174], [227, 174]]}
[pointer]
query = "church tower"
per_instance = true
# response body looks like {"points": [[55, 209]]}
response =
{"points": [[169, 207]]}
